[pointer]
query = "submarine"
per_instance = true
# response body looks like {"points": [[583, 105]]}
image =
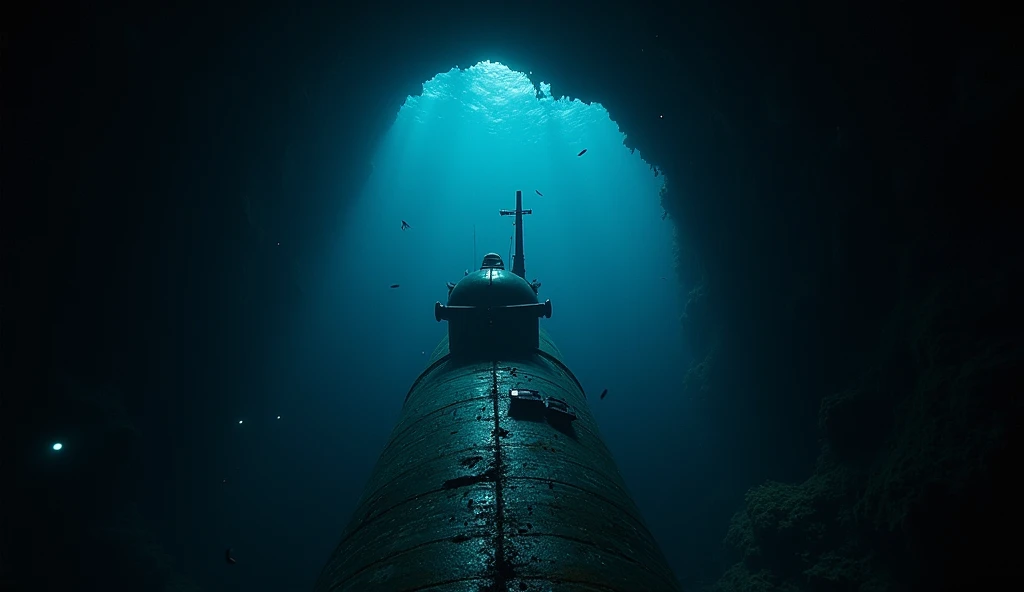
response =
{"points": [[495, 477]]}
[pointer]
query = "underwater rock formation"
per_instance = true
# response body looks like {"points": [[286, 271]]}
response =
{"points": [[915, 462], [884, 275]]}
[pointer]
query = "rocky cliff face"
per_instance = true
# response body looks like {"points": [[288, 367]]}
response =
{"points": [[914, 486]]}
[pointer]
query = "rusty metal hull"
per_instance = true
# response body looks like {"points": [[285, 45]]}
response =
{"points": [[467, 497]]}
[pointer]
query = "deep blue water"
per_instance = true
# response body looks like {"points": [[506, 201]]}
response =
{"points": [[281, 490]]}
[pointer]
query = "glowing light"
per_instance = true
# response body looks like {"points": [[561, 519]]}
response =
{"points": [[57, 446], [239, 422], [279, 417]]}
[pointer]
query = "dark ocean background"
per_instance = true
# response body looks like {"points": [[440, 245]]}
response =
{"points": [[801, 289]]}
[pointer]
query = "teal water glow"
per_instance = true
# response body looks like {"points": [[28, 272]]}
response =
{"points": [[456, 155]]}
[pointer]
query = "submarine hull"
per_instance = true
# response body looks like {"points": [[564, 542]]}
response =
{"points": [[473, 493]]}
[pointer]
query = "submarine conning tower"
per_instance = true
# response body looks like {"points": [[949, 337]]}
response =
{"points": [[492, 313], [495, 477]]}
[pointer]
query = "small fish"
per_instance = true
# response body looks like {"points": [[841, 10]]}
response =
{"points": [[582, 152], [227, 556], [538, 193], [604, 393], [405, 225], [394, 286]]}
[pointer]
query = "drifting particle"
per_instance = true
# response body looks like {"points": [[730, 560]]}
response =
{"points": [[240, 422], [227, 556], [393, 286], [57, 446], [582, 152], [279, 417], [604, 393], [279, 244], [538, 193]]}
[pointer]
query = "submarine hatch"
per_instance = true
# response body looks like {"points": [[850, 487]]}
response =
{"points": [[495, 477]]}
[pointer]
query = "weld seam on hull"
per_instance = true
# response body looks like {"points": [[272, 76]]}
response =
{"points": [[373, 493], [539, 352], [637, 522], [395, 435], [440, 361], [586, 543], [635, 517], [563, 367], [604, 477], [369, 521], [589, 585], [386, 558], [435, 584], [500, 563]]}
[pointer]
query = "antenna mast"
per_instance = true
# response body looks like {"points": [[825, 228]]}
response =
{"points": [[518, 265]]}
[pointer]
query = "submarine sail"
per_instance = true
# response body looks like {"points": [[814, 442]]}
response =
{"points": [[495, 477]]}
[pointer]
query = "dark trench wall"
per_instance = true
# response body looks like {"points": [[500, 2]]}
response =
{"points": [[833, 170]]}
